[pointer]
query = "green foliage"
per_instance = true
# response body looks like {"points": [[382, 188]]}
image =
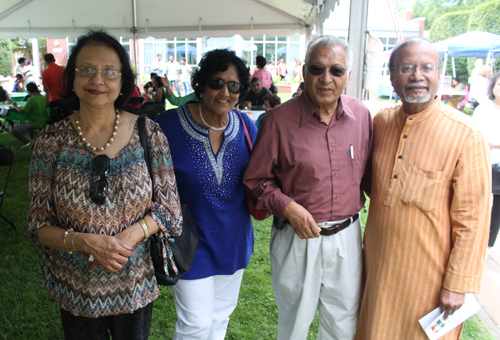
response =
{"points": [[484, 17], [21, 45], [433, 9], [447, 26], [5, 58]]}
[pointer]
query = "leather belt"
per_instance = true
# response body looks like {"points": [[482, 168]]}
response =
{"points": [[335, 228]]}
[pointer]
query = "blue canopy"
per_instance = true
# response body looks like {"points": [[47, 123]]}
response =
{"points": [[471, 44], [495, 46]]}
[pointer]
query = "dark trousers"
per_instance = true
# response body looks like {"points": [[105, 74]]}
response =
{"points": [[495, 220], [122, 327]]}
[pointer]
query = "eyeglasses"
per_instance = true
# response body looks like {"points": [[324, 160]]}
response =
{"points": [[336, 71], [410, 68], [99, 189], [90, 72], [217, 84]]}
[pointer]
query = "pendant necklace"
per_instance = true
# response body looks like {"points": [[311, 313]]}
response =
{"points": [[210, 126], [80, 133]]}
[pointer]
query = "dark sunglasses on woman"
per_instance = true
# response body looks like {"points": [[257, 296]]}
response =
{"points": [[99, 189], [336, 71], [217, 84]]}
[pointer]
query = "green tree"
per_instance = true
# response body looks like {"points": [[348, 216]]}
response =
{"points": [[5, 58], [447, 26], [433, 9], [485, 18]]}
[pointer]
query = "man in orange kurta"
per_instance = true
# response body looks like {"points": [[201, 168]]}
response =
{"points": [[425, 239]]}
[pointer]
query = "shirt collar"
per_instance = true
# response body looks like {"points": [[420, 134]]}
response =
{"points": [[421, 116], [308, 110]]}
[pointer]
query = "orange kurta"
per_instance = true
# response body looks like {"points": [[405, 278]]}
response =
{"points": [[428, 221]]}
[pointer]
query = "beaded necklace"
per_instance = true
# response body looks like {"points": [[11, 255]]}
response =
{"points": [[102, 148]]}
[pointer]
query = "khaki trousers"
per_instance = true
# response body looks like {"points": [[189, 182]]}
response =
{"points": [[321, 273]]}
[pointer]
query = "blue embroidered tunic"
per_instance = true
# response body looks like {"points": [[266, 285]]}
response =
{"points": [[212, 186]]}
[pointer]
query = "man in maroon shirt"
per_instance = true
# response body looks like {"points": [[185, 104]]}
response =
{"points": [[307, 168], [53, 87]]}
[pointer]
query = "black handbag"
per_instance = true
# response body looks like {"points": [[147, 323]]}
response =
{"points": [[183, 247], [495, 182]]}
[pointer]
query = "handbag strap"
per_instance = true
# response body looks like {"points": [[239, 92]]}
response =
{"points": [[141, 124], [247, 135]]}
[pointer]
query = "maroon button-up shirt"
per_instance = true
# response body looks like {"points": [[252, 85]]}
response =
{"points": [[298, 157]]}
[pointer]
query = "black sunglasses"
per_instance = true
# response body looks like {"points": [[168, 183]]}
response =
{"points": [[336, 71], [99, 189], [232, 86]]}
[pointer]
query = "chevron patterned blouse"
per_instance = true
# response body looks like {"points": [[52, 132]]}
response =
{"points": [[60, 177]]}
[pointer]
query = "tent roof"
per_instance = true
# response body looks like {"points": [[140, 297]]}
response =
{"points": [[495, 46], [470, 44], [158, 18]]}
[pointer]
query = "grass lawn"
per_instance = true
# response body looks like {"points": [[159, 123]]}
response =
{"points": [[27, 312]]}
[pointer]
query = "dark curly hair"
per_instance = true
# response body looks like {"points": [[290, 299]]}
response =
{"points": [[216, 61], [3, 94], [493, 80], [260, 61], [274, 100], [98, 38]]}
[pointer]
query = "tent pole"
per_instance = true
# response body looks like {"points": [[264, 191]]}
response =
{"points": [[134, 31], [444, 68], [453, 63]]}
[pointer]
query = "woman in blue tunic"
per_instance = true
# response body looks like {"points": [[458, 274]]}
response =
{"points": [[210, 153]]}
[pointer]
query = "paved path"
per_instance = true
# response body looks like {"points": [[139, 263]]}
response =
{"points": [[489, 298]]}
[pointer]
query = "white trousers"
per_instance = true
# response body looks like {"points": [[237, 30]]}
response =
{"points": [[203, 306], [321, 273]]}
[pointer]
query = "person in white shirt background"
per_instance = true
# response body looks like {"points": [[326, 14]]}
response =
{"points": [[157, 65], [172, 72], [487, 118], [186, 76]]}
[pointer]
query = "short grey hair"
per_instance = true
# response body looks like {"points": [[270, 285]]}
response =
{"points": [[330, 40], [417, 40]]}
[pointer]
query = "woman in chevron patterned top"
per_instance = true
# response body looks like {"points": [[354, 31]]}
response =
{"points": [[93, 204]]}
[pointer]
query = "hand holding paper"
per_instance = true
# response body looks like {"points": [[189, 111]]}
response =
{"points": [[449, 301], [436, 326]]}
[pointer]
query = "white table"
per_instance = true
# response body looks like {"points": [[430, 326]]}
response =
{"points": [[253, 114]]}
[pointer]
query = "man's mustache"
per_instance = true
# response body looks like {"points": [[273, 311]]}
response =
{"points": [[413, 85]]}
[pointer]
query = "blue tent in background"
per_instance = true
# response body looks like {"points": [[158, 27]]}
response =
{"points": [[476, 44], [471, 44], [495, 47]]}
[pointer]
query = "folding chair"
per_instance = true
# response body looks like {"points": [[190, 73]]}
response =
{"points": [[6, 159]]}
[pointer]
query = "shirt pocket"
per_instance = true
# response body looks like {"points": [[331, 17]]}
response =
{"points": [[357, 165], [422, 187]]}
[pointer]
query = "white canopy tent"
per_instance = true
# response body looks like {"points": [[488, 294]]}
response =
{"points": [[136, 19], [187, 18], [159, 18]]}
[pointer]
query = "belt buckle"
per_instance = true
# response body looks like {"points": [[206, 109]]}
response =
{"points": [[332, 227], [335, 226]]}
